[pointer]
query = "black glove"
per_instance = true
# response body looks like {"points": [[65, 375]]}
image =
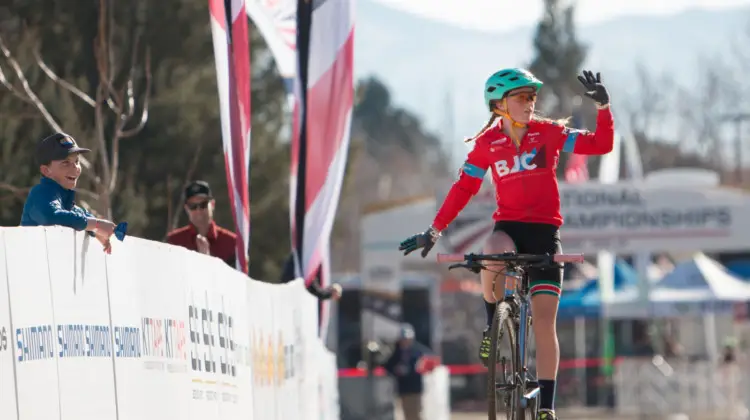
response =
{"points": [[425, 240], [594, 87]]}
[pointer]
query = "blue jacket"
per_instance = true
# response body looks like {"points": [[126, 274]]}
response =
{"points": [[403, 365], [50, 204]]}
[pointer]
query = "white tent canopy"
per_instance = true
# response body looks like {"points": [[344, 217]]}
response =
{"points": [[695, 286]]}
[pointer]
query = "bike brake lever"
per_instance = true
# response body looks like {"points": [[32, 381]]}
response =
{"points": [[476, 268], [472, 266]]}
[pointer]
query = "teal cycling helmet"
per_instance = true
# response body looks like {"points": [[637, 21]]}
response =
{"points": [[503, 81]]}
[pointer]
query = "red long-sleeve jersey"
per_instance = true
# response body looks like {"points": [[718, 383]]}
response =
{"points": [[525, 181]]}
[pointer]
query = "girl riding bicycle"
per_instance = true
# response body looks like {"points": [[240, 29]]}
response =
{"points": [[522, 152]]}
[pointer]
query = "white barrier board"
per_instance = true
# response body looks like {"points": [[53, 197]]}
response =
{"points": [[33, 324], [8, 408], [152, 331]]}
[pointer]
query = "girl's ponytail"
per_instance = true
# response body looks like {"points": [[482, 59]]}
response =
{"points": [[486, 126]]}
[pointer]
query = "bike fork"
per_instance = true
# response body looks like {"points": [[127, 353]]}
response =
{"points": [[530, 389]]}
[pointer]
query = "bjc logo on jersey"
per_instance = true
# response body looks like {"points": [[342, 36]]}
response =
{"points": [[524, 162]]}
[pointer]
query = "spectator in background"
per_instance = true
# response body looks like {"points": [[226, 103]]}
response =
{"points": [[729, 355], [52, 201], [203, 234], [672, 347], [407, 364], [730, 380]]}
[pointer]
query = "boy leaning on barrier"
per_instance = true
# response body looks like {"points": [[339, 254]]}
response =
{"points": [[52, 201]]}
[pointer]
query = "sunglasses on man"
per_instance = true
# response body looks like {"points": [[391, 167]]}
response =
{"points": [[199, 205]]}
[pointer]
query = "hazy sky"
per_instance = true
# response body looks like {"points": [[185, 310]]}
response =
{"points": [[499, 15]]}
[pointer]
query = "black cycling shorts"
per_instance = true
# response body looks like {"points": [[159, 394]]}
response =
{"points": [[537, 238]]}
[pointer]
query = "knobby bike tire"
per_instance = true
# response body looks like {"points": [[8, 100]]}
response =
{"points": [[500, 323]]}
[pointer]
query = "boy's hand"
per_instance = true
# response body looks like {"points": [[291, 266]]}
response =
{"points": [[101, 226], [104, 240]]}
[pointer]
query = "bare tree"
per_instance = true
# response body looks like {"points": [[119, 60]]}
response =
{"points": [[651, 102], [740, 66], [114, 102], [647, 108], [687, 118], [707, 106], [173, 209]]}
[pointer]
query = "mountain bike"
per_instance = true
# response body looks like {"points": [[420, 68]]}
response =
{"points": [[517, 387]]}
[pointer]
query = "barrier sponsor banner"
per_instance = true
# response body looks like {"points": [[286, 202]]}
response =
{"points": [[152, 337], [232, 338], [261, 298], [305, 353], [282, 355], [216, 327], [152, 331], [81, 328], [35, 344], [8, 408]]}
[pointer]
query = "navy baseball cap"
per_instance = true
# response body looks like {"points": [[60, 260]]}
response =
{"points": [[58, 146], [198, 188]]}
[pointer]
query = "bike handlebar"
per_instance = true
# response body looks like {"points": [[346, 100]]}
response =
{"points": [[510, 256]]}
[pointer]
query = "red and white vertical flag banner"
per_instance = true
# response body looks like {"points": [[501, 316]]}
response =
{"points": [[232, 56], [324, 93], [276, 20]]}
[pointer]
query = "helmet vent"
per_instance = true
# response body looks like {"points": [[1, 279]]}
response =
{"points": [[491, 89], [513, 79], [503, 74]]}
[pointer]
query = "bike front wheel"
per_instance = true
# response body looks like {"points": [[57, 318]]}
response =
{"points": [[502, 365]]}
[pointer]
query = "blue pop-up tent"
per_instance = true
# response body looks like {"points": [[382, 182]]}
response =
{"points": [[585, 302], [740, 268]]}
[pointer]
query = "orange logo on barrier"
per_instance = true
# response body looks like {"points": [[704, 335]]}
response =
{"points": [[280, 359], [268, 356], [272, 363]]}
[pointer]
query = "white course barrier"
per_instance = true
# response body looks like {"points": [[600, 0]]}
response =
{"points": [[436, 403], [151, 331]]}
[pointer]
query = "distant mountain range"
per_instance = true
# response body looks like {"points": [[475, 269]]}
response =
{"points": [[423, 61]]}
